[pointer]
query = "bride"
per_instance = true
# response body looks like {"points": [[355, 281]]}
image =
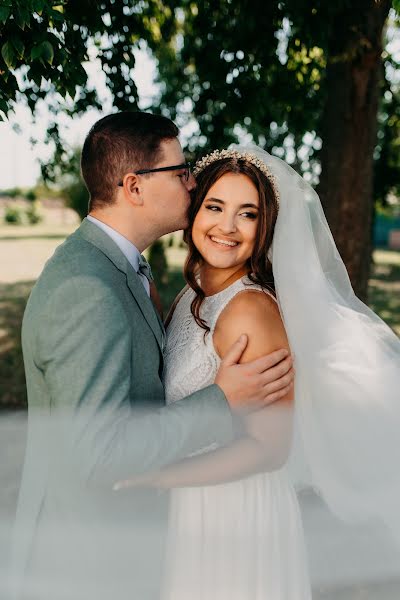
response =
{"points": [[262, 261]]}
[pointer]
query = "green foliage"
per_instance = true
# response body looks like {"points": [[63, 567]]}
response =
{"points": [[45, 43], [77, 197], [17, 215], [64, 171], [158, 262], [257, 68], [387, 151], [235, 67], [32, 213], [31, 195], [15, 192], [13, 215], [225, 63], [12, 377]]}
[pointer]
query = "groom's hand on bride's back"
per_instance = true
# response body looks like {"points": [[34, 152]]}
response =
{"points": [[255, 384]]}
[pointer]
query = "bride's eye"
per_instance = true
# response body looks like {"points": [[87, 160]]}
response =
{"points": [[213, 207], [250, 215]]}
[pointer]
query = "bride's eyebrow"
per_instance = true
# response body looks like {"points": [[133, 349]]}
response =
{"points": [[214, 200], [249, 205], [218, 201]]}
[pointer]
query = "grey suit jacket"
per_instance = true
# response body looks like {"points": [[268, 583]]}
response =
{"points": [[92, 344]]}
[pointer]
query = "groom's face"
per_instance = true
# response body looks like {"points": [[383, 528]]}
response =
{"points": [[167, 192]]}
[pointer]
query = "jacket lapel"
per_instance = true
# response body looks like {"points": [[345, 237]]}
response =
{"points": [[146, 306], [105, 244]]}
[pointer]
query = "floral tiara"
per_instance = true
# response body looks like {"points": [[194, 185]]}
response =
{"points": [[248, 156]]}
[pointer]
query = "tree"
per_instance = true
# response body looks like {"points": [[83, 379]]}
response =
{"points": [[387, 156], [276, 71], [289, 67], [64, 171], [348, 130], [46, 43]]}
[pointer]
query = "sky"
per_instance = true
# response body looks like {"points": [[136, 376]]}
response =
{"points": [[18, 159]]}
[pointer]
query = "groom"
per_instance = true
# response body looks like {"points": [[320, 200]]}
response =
{"points": [[93, 352]]}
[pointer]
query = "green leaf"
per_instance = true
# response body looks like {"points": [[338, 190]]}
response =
{"points": [[19, 47], [4, 13], [8, 54], [57, 15], [38, 6], [3, 106], [36, 52], [43, 51], [47, 52], [22, 17]]}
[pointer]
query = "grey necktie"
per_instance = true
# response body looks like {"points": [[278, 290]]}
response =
{"points": [[144, 269]]}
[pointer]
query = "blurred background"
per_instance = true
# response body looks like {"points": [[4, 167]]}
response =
{"points": [[315, 83]]}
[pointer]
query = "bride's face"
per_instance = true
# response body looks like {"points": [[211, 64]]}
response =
{"points": [[224, 230]]}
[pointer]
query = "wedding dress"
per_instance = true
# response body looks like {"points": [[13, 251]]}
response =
{"points": [[241, 540], [346, 416]]}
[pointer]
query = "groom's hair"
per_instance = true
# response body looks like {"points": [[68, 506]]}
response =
{"points": [[118, 144]]}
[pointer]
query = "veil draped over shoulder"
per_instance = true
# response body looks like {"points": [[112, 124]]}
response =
{"points": [[347, 389]]}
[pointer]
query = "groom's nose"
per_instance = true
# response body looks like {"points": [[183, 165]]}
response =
{"points": [[191, 183]]}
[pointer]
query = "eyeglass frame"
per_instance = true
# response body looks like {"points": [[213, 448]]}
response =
{"points": [[187, 166]]}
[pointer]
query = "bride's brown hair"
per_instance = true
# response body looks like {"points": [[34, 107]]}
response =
{"points": [[259, 265]]}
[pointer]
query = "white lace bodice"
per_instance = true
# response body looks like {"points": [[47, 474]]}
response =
{"points": [[190, 360]]}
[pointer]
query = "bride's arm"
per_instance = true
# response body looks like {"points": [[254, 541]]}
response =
{"points": [[265, 443], [243, 458]]}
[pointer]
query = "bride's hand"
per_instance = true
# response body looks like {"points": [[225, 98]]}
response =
{"points": [[148, 480]]}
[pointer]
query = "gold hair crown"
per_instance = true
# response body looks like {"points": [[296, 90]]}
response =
{"points": [[248, 156]]}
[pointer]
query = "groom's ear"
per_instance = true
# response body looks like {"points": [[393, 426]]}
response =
{"points": [[132, 189]]}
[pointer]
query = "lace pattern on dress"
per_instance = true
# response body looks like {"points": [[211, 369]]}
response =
{"points": [[190, 359]]}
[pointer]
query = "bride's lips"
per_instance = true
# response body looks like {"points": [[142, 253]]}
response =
{"points": [[223, 243]]}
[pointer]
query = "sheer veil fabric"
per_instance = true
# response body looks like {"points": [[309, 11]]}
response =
{"points": [[347, 390]]}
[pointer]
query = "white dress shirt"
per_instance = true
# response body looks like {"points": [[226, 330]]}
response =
{"points": [[129, 250]]}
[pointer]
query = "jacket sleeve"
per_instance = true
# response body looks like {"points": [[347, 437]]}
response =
{"points": [[84, 352]]}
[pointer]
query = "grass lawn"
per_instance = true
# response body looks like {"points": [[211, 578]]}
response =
{"points": [[384, 287], [384, 299]]}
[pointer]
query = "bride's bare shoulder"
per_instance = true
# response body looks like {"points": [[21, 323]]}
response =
{"points": [[256, 314], [252, 307]]}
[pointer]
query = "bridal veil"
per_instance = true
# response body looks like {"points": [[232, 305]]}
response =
{"points": [[347, 360]]}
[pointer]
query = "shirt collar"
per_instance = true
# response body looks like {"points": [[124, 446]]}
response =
{"points": [[129, 250]]}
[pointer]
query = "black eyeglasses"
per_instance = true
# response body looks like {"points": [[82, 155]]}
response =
{"points": [[187, 166]]}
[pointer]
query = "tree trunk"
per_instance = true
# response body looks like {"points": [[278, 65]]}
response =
{"points": [[349, 136]]}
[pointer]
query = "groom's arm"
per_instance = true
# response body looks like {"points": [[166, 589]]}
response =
{"points": [[266, 438], [85, 355]]}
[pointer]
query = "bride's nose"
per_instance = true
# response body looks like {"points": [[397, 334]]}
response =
{"points": [[227, 223]]}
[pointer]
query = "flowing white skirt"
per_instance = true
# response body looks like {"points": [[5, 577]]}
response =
{"points": [[237, 541]]}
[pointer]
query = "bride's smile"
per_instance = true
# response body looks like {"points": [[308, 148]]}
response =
{"points": [[228, 243]]}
